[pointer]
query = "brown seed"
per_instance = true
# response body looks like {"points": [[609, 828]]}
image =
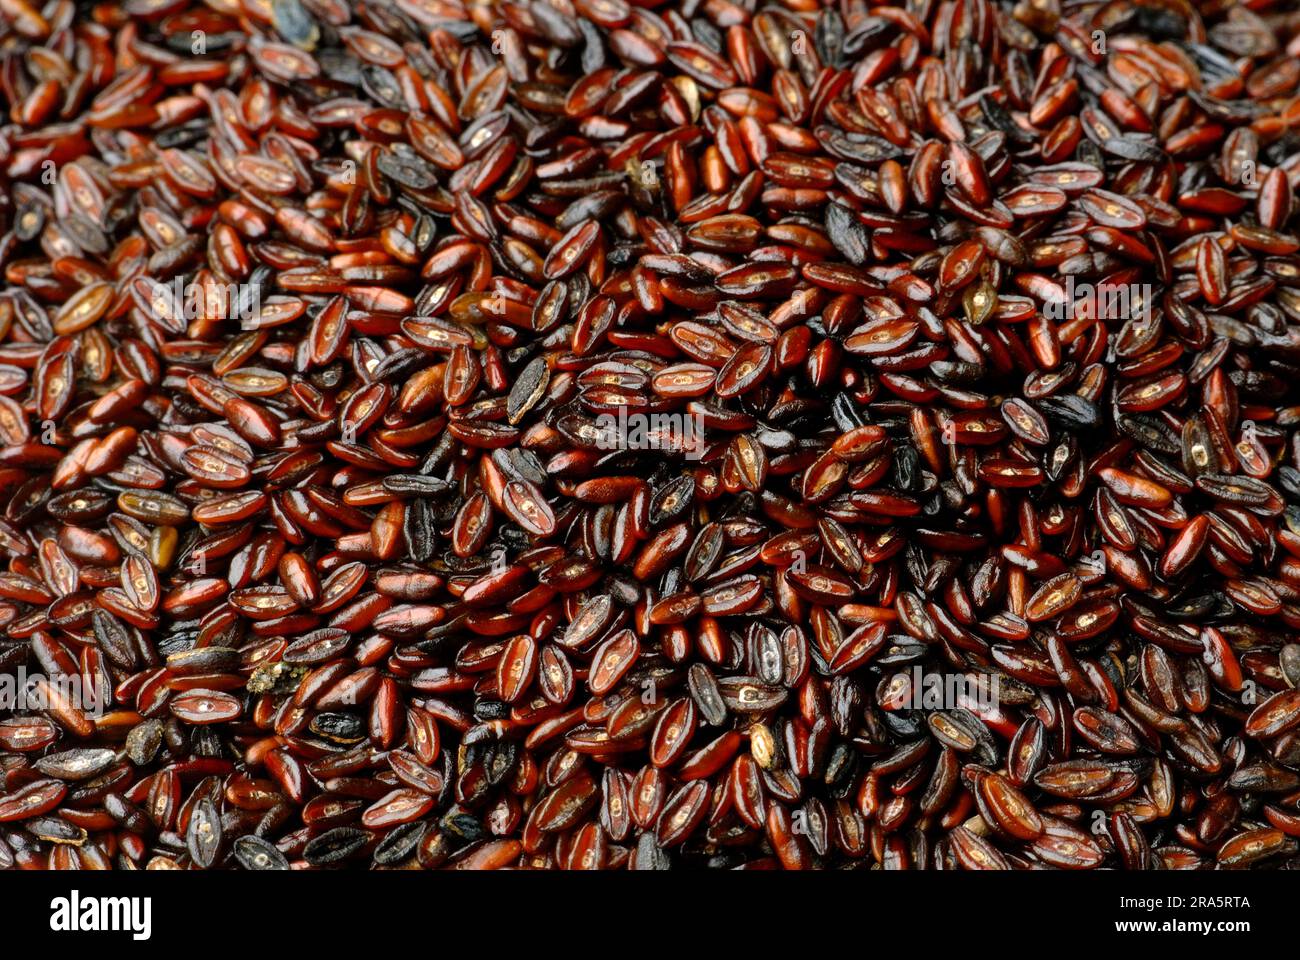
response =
{"points": [[1275, 715]]}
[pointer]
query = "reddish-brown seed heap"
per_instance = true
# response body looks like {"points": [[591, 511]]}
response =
{"points": [[311, 314]]}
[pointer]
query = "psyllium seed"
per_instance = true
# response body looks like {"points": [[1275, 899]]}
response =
{"points": [[574, 434]]}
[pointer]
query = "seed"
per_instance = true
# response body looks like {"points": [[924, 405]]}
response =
{"points": [[203, 838], [205, 706], [1289, 663], [32, 800], [1053, 597], [80, 763], [255, 853], [335, 846], [1254, 845], [1010, 808], [1275, 715], [974, 852]]}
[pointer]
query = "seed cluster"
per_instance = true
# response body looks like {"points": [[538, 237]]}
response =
{"points": [[595, 434]]}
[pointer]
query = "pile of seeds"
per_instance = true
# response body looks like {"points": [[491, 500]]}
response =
{"points": [[587, 434]]}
